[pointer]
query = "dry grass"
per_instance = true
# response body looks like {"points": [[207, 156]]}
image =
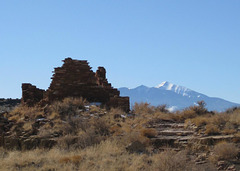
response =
{"points": [[198, 121], [212, 129], [95, 139], [75, 159], [160, 112], [149, 132], [73, 142], [186, 114], [235, 117], [199, 109], [225, 151], [101, 127], [68, 107], [74, 125], [162, 108], [229, 131], [108, 155], [95, 109], [171, 161], [27, 126], [143, 108], [218, 123], [78, 134], [114, 111], [24, 113]]}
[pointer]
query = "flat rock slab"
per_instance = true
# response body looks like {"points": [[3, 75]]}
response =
{"points": [[180, 138], [175, 132], [168, 125]]}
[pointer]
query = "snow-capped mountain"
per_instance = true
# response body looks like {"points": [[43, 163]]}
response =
{"points": [[175, 88], [174, 96]]}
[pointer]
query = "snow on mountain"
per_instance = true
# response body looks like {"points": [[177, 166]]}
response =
{"points": [[176, 97], [175, 88]]}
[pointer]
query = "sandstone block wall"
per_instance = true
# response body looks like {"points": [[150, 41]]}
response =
{"points": [[76, 79], [31, 95]]}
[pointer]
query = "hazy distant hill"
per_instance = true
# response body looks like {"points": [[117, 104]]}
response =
{"points": [[176, 97]]}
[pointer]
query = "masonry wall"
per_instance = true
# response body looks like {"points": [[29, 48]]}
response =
{"points": [[76, 79], [31, 95]]}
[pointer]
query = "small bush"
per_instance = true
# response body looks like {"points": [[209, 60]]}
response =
{"points": [[186, 114], [233, 110], [66, 142], [225, 151], [199, 109], [229, 128], [162, 108], [149, 132], [68, 107], [219, 119], [133, 136], [74, 125], [170, 160], [200, 121], [212, 130], [70, 142], [143, 108], [229, 131], [87, 139], [101, 127], [158, 116], [235, 117]]}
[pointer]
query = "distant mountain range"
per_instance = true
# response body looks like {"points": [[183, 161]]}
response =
{"points": [[174, 96]]}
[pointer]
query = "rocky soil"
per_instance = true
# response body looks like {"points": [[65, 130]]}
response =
{"points": [[42, 129]]}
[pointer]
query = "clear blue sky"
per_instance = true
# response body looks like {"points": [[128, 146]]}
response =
{"points": [[187, 42]]}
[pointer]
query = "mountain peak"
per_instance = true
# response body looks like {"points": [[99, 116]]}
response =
{"points": [[165, 84], [175, 96], [142, 87], [173, 87]]}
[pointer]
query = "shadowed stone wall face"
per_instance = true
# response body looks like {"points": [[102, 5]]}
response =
{"points": [[76, 79], [31, 95]]}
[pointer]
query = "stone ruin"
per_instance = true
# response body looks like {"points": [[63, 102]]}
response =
{"points": [[76, 79]]}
